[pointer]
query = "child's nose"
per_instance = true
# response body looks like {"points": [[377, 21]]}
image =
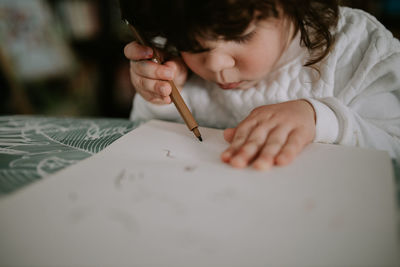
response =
{"points": [[218, 60]]}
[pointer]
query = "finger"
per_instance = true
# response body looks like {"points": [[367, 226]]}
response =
{"points": [[228, 134], [295, 143], [135, 51], [240, 136], [162, 101], [180, 71], [250, 149], [155, 99], [174, 66], [152, 90], [152, 70], [273, 145], [163, 88]]}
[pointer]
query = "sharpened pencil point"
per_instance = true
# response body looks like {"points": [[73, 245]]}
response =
{"points": [[196, 133]]}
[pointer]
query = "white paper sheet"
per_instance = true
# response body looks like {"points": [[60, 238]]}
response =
{"points": [[159, 197]]}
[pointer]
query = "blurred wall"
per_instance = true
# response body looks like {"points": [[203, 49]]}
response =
{"points": [[65, 57]]}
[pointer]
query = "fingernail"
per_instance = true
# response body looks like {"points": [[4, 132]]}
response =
{"points": [[262, 165], [148, 53], [167, 100], [226, 155], [238, 162], [164, 91]]}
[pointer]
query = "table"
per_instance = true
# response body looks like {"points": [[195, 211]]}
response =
{"points": [[34, 147]]}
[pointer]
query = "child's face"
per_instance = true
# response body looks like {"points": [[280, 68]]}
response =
{"points": [[242, 63]]}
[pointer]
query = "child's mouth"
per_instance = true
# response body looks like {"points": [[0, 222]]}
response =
{"points": [[227, 86]]}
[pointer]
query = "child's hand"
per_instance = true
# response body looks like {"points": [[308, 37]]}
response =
{"points": [[149, 78], [270, 135]]}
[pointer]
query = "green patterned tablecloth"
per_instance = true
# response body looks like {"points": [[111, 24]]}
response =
{"points": [[33, 147]]}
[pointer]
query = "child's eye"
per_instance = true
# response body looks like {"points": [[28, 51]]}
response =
{"points": [[245, 38], [198, 50]]}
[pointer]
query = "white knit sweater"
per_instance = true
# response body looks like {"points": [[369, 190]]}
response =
{"points": [[356, 94]]}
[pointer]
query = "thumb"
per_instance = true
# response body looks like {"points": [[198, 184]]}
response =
{"points": [[179, 70]]}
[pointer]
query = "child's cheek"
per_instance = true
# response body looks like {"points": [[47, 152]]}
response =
{"points": [[194, 63], [259, 64], [190, 60]]}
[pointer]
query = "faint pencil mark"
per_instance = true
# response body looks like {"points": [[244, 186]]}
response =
{"points": [[118, 179], [78, 214], [227, 194], [132, 177], [141, 175], [176, 206], [188, 238], [125, 219], [136, 176], [168, 153], [190, 168]]}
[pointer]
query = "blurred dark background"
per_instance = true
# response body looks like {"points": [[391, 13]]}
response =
{"points": [[65, 57]]}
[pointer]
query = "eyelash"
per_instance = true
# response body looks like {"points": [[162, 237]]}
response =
{"points": [[244, 39], [239, 40]]}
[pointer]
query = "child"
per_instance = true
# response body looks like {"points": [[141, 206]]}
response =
{"points": [[278, 74]]}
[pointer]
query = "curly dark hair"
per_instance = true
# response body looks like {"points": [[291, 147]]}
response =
{"points": [[181, 22]]}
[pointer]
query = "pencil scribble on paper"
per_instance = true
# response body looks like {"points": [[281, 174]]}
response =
{"points": [[118, 179], [190, 168], [227, 194], [194, 240], [174, 205], [79, 213], [125, 219], [169, 155], [140, 193], [135, 176]]}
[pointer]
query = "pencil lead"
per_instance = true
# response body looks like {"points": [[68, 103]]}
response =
{"points": [[196, 133]]}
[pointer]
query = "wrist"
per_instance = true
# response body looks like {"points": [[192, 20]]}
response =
{"points": [[311, 109]]}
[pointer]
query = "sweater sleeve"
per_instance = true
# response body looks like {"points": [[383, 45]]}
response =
{"points": [[366, 112]]}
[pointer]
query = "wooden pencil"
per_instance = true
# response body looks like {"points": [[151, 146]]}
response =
{"points": [[175, 95]]}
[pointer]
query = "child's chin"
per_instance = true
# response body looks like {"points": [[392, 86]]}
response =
{"points": [[239, 86]]}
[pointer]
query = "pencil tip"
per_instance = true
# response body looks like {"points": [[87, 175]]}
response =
{"points": [[196, 133]]}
